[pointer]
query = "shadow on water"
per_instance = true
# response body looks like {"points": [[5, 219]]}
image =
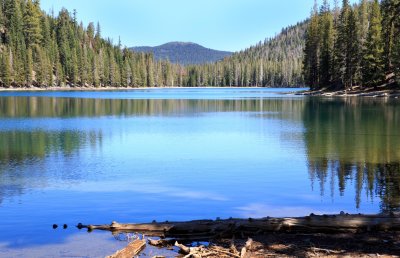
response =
{"points": [[355, 140]]}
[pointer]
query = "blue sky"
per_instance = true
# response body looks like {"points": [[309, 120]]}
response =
{"points": [[220, 24]]}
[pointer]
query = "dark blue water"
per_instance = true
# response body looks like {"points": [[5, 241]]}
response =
{"points": [[182, 154]]}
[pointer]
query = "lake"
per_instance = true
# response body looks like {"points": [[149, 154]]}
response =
{"points": [[183, 154]]}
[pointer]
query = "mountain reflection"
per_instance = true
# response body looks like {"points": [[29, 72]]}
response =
{"points": [[355, 141]]}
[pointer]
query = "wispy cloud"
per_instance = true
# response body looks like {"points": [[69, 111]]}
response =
{"points": [[143, 187]]}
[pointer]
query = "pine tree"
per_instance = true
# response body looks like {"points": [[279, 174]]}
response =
{"points": [[352, 51], [327, 43], [95, 71], [362, 25], [396, 41], [2, 23], [5, 72], [29, 67], [341, 45], [311, 52], [363, 21], [32, 24], [396, 59], [46, 33], [90, 31], [388, 11], [150, 70], [373, 67], [74, 71], [39, 66]]}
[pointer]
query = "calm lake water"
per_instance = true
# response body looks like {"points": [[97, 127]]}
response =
{"points": [[182, 154]]}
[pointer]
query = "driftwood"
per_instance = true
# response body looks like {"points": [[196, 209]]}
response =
{"points": [[202, 251], [161, 242], [130, 250], [207, 229]]}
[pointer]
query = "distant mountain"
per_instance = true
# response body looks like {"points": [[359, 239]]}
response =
{"points": [[185, 53], [275, 62]]}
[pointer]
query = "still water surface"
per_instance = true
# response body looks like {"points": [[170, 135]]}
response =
{"points": [[182, 154]]}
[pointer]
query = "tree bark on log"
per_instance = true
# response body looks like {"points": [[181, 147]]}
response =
{"points": [[205, 229], [130, 250]]}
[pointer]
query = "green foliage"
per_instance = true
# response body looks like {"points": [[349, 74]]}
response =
{"points": [[42, 50], [32, 24], [184, 53], [373, 71], [5, 68], [311, 51], [327, 44], [354, 46], [276, 62]]}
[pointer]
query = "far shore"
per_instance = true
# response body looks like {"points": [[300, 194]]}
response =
{"points": [[382, 91], [119, 88], [386, 91]]}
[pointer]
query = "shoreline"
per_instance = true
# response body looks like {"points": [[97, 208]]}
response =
{"points": [[2, 89], [373, 92], [314, 235]]}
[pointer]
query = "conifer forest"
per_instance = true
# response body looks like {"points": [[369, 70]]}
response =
{"points": [[353, 45], [339, 47]]}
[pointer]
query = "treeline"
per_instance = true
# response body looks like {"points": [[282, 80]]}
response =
{"points": [[276, 62], [43, 50], [353, 45]]}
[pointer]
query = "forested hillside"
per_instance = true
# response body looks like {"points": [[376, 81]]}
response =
{"points": [[351, 46], [184, 53], [276, 62], [39, 49], [44, 50]]}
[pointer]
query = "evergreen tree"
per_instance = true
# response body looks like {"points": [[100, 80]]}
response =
{"points": [[352, 50], [396, 40], [5, 72], [341, 46], [388, 10], [311, 52], [362, 25], [373, 67], [327, 44], [29, 67], [32, 24], [396, 59]]}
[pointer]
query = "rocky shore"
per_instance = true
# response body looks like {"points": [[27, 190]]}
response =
{"points": [[385, 91]]}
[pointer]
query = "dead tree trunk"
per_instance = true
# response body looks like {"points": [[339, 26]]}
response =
{"points": [[205, 229]]}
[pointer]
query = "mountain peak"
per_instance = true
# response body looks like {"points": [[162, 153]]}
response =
{"points": [[180, 43], [185, 53]]}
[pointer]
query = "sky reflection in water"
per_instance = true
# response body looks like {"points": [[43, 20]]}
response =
{"points": [[69, 157]]}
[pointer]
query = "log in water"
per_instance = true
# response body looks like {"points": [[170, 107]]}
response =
{"points": [[203, 229]]}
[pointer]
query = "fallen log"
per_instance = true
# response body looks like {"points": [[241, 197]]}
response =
{"points": [[206, 229], [130, 250]]}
